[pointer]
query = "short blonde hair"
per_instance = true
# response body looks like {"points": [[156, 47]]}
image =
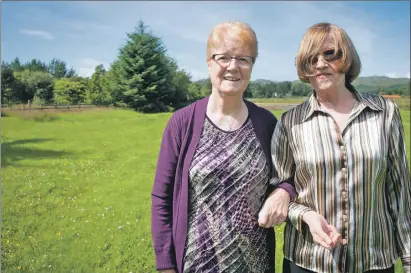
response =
{"points": [[241, 31], [350, 63]]}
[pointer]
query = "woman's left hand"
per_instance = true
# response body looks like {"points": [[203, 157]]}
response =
{"points": [[275, 209]]}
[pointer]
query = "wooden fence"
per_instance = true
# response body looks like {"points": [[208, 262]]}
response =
{"points": [[24, 107]]}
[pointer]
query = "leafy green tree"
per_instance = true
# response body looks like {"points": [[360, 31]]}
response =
{"points": [[206, 87], [69, 91], [71, 73], [7, 84], [181, 81], [194, 91], [33, 84], [97, 93], [256, 90], [144, 77], [36, 65], [57, 68], [16, 66], [300, 89]]}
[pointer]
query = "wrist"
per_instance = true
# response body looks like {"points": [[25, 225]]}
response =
{"points": [[307, 216], [281, 192]]}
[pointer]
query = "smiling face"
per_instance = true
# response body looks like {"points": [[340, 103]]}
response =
{"points": [[230, 76]]}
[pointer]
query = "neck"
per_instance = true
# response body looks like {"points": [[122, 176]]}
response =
{"points": [[226, 105], [335, 96]]}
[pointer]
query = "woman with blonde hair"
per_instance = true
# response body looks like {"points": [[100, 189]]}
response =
{"points": [[345, 152], [213, 172]]}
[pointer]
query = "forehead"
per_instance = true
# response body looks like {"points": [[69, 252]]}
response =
{"points": [[329, 42], [231, 45]]}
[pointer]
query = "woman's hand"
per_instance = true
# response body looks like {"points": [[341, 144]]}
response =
{"points": [[323, 234], [275, 209]]}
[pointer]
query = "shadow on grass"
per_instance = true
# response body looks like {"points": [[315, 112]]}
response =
{"points": [[14, 151]]}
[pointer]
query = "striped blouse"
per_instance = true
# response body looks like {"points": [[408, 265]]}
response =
{"points": [[358, 179]]}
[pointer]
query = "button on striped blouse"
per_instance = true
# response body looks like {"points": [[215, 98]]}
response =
{"points": [[358, 179]]}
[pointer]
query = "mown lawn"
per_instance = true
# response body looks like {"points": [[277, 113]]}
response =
{"points": [[76, 191]]}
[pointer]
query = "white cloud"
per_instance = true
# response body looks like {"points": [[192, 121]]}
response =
{"points": [[98, 30], [392, 75], [86, 66], [396, 75], [38, 33]]}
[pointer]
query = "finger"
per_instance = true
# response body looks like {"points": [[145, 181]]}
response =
{"points": [[262, 218], [336, 240], [317, 239], [270, 221], [336, 237], [279, 221], [324, 237]]}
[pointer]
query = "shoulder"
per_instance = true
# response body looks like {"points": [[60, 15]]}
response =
{"points": [[379, 101], [296, 114], [264, 114], [182, 116]]}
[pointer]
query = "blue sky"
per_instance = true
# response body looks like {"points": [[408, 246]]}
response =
{"points": [[86, 34]]}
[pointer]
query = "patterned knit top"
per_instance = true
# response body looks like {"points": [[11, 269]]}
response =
{"points": [[228, 181]]}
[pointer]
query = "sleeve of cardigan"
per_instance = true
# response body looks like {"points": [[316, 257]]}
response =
{"points": [[162, 198]]}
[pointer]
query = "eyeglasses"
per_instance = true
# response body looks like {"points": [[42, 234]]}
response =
{"points": [[225, 60], [328, 56]]}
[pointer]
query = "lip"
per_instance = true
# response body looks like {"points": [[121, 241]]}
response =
{"points": [[234, 79], [322, 74]]}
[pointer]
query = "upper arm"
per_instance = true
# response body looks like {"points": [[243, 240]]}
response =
{"points": [[281, 155]]}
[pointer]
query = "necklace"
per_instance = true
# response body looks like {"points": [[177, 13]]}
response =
{"points": [[232, 122]]}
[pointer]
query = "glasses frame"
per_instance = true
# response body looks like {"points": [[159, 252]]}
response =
{"points": [[329, 58], [233, 57]]}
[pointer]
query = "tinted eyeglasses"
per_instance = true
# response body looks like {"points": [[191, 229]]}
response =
{"points": [[329, 55]]}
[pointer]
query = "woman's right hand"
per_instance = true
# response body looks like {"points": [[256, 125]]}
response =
{"points": [[167, 271], [323, 234]]}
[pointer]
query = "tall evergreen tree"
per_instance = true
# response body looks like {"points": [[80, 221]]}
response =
{"points": [[57, 68], [36, 65], [16, 65], [145, 78]]}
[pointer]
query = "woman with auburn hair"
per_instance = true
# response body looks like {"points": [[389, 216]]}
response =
{"points": [[345, 152], [213, 172]]}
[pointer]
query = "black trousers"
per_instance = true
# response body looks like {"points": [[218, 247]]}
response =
{"points": [[291, 267]]}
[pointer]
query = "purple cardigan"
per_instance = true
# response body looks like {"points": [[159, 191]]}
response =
{"points": [[169, 214]]}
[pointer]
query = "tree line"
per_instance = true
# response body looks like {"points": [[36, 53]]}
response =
{"points": [[143, 77]]}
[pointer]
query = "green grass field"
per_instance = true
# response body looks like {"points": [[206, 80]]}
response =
{"points": [[76, 191]]}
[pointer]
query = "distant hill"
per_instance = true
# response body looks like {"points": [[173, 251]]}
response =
{"points": [[262, 81], [372, 84], [375, 84], [381, 81]]}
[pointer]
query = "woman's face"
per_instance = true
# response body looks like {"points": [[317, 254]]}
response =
{"points": [[228, 75], [326, 69]]}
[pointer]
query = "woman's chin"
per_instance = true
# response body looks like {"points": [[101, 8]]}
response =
{"points": [[324, 86], [230, 92], [231, 89]]}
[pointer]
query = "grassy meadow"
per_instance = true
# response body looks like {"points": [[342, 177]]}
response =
{"points": [[76, 191]]}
